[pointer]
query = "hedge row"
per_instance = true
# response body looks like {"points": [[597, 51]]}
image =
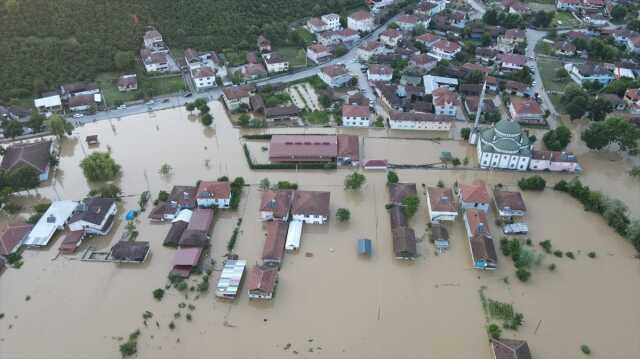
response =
{"points": [[288, 166], [257, 137]]}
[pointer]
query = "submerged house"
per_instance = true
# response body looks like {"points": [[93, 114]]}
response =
{"points": [[276, 205], [311, 206], [276, 238], [52, 220], [483, 251], [185, 260], [262, 281], [197, 232], [230, 278], [181, 197], [441, 204], [439, 236], [12, 237], [71, 241], [475, 196], [178, 226], [399, 191], [509, 204], [214, 194], [130, 252], [404, 243], [510, 349], [94, 216], [36, 155]]}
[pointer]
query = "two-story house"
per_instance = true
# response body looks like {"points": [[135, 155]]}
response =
{"points": [[445, 101], [213, 194], [355, 116]]}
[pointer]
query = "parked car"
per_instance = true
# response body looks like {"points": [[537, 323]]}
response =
{"points": [[188, 94], [78, 115], [150, 102], [165, 100], [122, 107]]}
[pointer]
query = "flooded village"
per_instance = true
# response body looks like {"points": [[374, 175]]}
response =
{"points": [[359, 211]]}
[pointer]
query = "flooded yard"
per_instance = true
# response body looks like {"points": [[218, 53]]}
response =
{"points": [[329, 303]]}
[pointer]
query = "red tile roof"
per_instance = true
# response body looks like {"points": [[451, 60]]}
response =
{"points": [[360, 15], [519, 60], [303, 147], [507, 199], [70, 241], [447, 46], [13, 236], [262, 279], [214, 190], [380, 69], [273, 249], [526, 106], [349, 146], [355, 111], [311, 202], [441, 199], [474, 193]]}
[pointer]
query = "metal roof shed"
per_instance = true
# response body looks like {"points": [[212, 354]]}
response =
{"points": [[293, 236], [52, 220], [364, 247], [230, 278]]}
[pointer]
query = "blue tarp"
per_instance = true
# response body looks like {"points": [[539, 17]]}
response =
{"points": [[131, 215], [364, 246]]}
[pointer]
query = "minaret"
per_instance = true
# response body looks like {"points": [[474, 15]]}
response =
{"points": [[473, 137]]}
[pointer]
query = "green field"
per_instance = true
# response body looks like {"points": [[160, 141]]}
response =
{"points": [[297, 57], [564, 19], [235, 57], [305, 36], [548, 68], [148, 86], [316, 117]]}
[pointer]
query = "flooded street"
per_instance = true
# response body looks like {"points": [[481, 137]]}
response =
{"points": [[331, 303]]}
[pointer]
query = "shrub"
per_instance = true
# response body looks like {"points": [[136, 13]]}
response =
{"points": [[570, 255], [494, 331], [410, 205], [523, 274], [163, 196], [182, 286], [343, 214], [534, 183], [552, 267], [287, 185], [172, 325], [557, 254], [189, 317], [557, 139], [158, 294], [585, 349], [546, 245], [465, 133], [592, 254], [354, 181], [392, 177]]}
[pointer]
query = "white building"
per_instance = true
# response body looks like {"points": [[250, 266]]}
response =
{"points": [[294, 233], [526, 110], [567, 5], [203, 77], [445, 50], [419, 121], [230, 278], [474, 195], [319, 53], [504, 146], [445, 101], [441, 204], [334, 75], [360, 21], [94, 216], [154, 61], [332, 21], [213, 194], [379, 73], [369, 49], [431, 83], [311, 206], [51, 102], [355, 116], [275, 62], [52, 220], [390, 37]]}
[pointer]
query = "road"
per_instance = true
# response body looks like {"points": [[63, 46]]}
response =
{"points": [[177, 100]]}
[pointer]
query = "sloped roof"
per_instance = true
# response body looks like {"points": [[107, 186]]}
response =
{"points": [[130, 251], [276, 238], [262, 278], [93, 210], [508, 199], [214, 190], [12, 236], [441, 199], [349, 146], [34, 154], [510, 349], [311, 202], [400, 191], [279, 202], [475, 192]]}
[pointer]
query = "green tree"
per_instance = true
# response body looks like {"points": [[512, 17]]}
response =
{"points": [[354, 181], [465, 132], [633, 234], [494, 331], [244, 120], [558, 139], [340, 50], [124, 60], [613, 130], [392, 177], [264, 184], [599, 108], [618, 12], [474, 77], [36, 122], [534, 183], [99, 166], [165, 169], [23, 178], [12, 128], [59, 126], [410, 205], [343, 214], [190, 106], [206, 119]]}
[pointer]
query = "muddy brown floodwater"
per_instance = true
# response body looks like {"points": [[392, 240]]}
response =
{"points": [[332, 304]]}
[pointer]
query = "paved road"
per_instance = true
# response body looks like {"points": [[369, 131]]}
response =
{"points": [[177, 100]]}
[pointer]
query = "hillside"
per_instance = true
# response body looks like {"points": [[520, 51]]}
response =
{"points": [[45, 43]]}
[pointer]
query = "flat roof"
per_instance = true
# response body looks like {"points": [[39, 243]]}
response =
{"points": [[53, 219], [229, 282], [293, 235]]}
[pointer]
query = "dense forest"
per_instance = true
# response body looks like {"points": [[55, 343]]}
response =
{"points": [[45, 43]]}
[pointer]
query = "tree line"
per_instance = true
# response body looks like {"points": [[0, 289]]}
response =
{"points": [[46, 43]]}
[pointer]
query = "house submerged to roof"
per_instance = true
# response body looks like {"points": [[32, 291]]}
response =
{"points": [[36, 155], [483, 251], [51, 221]]}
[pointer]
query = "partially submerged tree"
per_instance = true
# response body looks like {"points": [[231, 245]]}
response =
{"points": [[99, 166], [343, 214], [59, 126], [354, 181], [410, 205]]}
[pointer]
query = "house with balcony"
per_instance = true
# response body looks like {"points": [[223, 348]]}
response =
{"points": [[581, 73], [526, 110], [441, 204], [445, 50], [445, 101], [355, 116], [419, 121], [481, 246], [334, 75], [275, 62], [319, 53], [361, 21]]}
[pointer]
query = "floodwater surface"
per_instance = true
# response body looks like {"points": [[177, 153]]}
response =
{"points": [[329, 303]]}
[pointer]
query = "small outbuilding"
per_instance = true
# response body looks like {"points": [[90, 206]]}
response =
{"points": [[230, 278], [92, 140], [262, 282], [185, 260], [130, 252], [71, 241], [439, 236], [509, 204], [364, 247], [294, 234]]}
